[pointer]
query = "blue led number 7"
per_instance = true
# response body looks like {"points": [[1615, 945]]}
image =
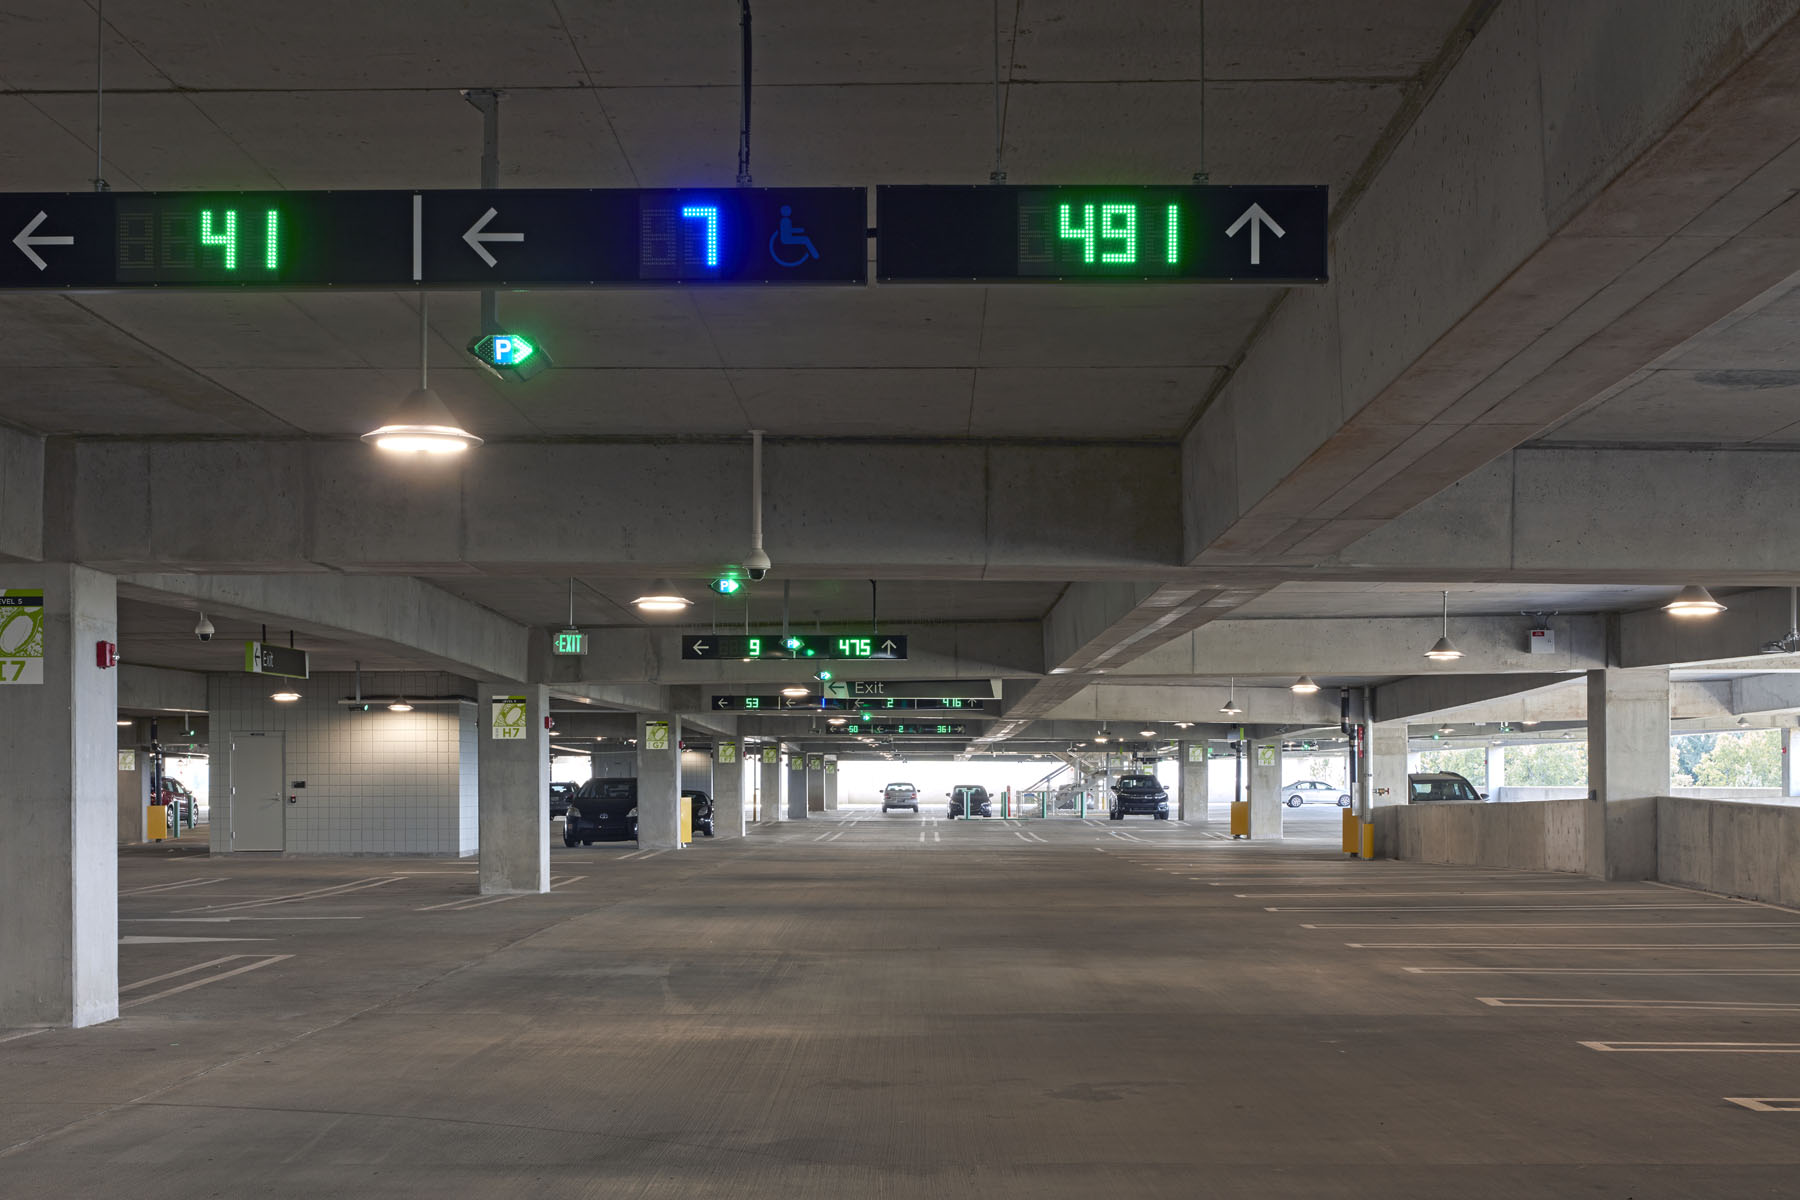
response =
{"points": [[710, 215]]}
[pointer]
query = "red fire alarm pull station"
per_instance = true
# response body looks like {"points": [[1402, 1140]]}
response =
{"points": [[106, 654]]}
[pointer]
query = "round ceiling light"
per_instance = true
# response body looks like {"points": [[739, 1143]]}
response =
{"points": [[285, 697], [1693, 602], [1303, 686], [661, 597], [423, 424]]}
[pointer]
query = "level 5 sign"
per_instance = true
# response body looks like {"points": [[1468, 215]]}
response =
{"points": [[21, 637], [656, 735]]}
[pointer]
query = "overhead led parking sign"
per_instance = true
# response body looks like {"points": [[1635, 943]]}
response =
{"points": [[518, 238], [1195, 234], [826, 646]]}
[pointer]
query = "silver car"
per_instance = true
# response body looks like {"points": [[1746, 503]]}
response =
{"points": [[900, 795], [1313, 791]]}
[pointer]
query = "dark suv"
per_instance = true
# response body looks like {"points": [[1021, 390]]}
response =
{"points": [[1139, 794], [969, 800], [602, 810]]}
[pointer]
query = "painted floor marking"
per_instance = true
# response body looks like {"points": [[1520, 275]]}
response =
{"points": [[211, 962], [557, 881], [137, 939], [1612, 1002], [23, 1033], [1571, 946], [171, 887], [1781, 1104], [219, 920], [471, 902], [1384, 895], [1486, 907], [1585, 971], [1694, 1047], [1651, 925], [265, 961], [323, 893]]}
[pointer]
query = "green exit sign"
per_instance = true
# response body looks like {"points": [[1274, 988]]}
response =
{"points": [[569, 641]]}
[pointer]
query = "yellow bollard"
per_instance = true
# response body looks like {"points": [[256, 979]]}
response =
{"points": [[1240, 818], [1368, 840], [1352, 832], [158, 828], [687, 820]]}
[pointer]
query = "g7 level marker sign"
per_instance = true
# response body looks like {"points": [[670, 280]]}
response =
{"points": [[1193, 234], [518, 238]]}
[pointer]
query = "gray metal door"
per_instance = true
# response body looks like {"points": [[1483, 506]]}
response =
{"points": [[258, 808]]}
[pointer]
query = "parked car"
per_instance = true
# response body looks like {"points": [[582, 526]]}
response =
{"points": [[900, 795], [969, 800], [1441, 785], [184, 808], [1142, 794], [703, 811], [1313, 791], [602, 810], [559, 797]]}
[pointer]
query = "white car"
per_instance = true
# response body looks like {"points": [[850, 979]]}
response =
{"points": [[1313, 791]]}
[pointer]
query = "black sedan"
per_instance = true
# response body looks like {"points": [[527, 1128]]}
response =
{"points": [[703, 811], [1140, 794], [602, 810], [969, 800], [559, 797]]}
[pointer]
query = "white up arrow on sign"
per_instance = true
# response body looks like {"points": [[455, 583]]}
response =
{"points": [[1257, 219], [475, 237], [24, 241]]}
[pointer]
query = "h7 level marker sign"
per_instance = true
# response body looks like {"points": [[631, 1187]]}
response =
{"points": [[526, 237], [1123, 233]]}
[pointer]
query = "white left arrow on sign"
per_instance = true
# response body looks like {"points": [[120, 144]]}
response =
{"points": [[24, 241], [475, 237]]}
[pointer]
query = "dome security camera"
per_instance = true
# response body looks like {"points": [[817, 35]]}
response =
{"points": [[204, 630], [757, 565]]}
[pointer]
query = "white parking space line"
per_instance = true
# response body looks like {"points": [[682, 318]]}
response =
{"points": [[1585, 971], [1584, 946], [471, 902], [142, 983], [136, 939], [266, 961], [1482, 925], [1465, 894], [1615, 1002], [23, 1033], [557, 881], [219, 920], [1725, 904], [171, 887], [1774, 1104], [340, 889], [1694, 1047]]}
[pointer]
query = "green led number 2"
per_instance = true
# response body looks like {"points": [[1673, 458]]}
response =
{"points": [[221, 230], [1108, 233]]}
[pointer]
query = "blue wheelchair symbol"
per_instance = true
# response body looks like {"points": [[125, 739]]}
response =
{"points": [[791, 234]]}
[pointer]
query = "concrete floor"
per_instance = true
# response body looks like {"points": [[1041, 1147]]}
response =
{"points": [[869, 1006]]}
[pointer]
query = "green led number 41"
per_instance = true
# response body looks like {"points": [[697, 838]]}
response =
{"points": [[219, 229]]}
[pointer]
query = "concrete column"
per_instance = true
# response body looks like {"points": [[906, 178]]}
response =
{"points": [[796, 786], [1388, 763], [1496, 771], [1628, 767], [774, 784], [59, 803], [659, 781], [1790, 778], [1193, 783], [831, 783], [1265, 788], [513, 788], [815, 783], [731, 786]]}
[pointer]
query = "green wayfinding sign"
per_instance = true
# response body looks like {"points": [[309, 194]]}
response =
{"points": [[263, 659], [21, 637]]}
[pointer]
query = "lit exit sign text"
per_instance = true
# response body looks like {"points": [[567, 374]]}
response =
{"points": [[802, 646], [569, 641], [1149, 234]]}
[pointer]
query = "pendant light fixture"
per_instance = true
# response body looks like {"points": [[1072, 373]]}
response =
{"points": [[1303, 686], [285, 696], [661, 597], [1693, 602], [1444, 650], [400, 705], [423, 424], [1230, 707]]}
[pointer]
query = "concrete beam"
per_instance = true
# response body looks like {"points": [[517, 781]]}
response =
{"points": [[1129, 703], [1455, 695], [1630, 515], [1651, 637], [406, 616], [21, 496], [1375, 646], [159, 689], [994, 510], [1564, 206]]}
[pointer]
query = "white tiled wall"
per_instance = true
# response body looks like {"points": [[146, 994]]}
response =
{"points": [[377, 782]]}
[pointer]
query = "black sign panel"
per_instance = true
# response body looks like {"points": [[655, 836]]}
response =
{"points": [[899, 728], [833, 704], [1147, 234], [519, 238], [709, 646]]}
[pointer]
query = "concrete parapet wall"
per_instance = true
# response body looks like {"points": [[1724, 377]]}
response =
{"points": [[1529, 795], [1739, 849], [1541, 836]]}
